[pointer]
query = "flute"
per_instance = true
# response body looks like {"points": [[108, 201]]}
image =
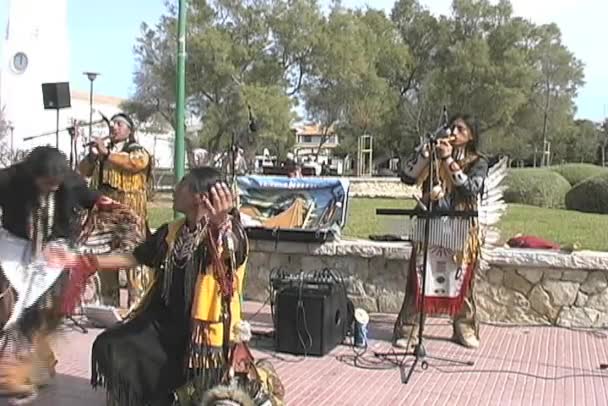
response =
{"points": [[92, 143]]}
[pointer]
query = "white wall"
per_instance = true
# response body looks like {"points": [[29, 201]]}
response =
{"points": [[37, 28]]}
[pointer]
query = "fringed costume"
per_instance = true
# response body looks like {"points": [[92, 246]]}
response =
{"points": [[178, 336], [449, 283], [124, 176]]}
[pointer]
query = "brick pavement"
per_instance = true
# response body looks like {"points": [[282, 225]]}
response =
{"points": [[514, 366]]}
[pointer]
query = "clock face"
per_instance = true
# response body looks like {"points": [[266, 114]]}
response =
{"points": [[20, 62]]}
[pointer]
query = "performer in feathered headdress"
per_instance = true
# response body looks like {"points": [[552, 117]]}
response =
{"points": [[461, 170], [121, 170]]}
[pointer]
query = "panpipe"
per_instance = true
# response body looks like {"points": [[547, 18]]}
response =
{"points": [[447, 229], [446, 232]]}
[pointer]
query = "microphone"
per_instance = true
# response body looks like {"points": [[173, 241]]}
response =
{"points": [[252, 124], [443, 131]]}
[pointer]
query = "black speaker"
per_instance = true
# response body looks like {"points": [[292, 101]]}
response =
{"points": [[310, 319], [56, 95]]}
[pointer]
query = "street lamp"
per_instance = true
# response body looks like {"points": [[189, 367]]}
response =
{"points": [[91, 76], [179, 155]]}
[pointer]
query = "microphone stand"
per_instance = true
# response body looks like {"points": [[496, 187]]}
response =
{"points": [[252, 126], [428, 213]]}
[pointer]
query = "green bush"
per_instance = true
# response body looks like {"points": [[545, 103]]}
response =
{"points": [[575, 173], [536, 187], [589, 196]]}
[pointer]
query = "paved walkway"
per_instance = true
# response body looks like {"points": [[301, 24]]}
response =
{"points": [[514, 366]]}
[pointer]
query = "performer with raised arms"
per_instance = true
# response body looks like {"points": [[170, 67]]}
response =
{"points": [[185, 328]]}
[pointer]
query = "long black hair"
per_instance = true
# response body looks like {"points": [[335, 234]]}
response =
{"points": [[201, 179], [46, 161], [474, 146]]}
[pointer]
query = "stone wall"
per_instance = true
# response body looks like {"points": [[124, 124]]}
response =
{"points": [[374, 272], [518, 286], [380, 187], [545, 287]]}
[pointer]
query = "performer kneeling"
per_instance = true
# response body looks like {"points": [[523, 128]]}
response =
{"points": [[462, 170], [185, 326], [40, 198]]}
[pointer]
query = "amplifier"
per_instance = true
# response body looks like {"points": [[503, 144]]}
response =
{"points": [[310, 318]]}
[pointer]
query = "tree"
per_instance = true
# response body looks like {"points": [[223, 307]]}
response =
{"points": [[240, 54], [359, 71], [8, 155]]}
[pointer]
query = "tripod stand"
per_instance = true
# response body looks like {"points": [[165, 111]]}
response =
{"points": [[427, 213]]}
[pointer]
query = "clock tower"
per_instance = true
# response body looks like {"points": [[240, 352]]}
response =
{"points": [[35, 50]]}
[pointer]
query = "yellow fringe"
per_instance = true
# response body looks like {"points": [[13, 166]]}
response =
{"points": [[121, 180], [206, 306]]}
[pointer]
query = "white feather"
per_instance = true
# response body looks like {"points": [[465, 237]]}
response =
{"points": [[491, 205]]}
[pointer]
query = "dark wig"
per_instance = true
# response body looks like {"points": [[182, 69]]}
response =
{"points": [[475, 145], [201, 179], [47, 161]]}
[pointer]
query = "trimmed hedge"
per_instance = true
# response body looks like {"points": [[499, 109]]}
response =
{"points": [[575, 173], [589, 196], [536, 187]]}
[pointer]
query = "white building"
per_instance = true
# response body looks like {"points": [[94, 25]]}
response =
{"points": [[312, 139], [35, 50]]}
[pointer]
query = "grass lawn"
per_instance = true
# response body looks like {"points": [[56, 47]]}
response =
{"points": [[589, 231]]}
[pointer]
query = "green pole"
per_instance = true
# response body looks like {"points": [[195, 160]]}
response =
{"points": [[179, 155]]}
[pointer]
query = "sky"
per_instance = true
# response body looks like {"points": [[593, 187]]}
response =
{"points": [[102, 35]]}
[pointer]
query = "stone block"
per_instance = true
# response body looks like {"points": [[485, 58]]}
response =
{"points": [[499, 304], [316, 263], [596, 282], [581, 299], [495, 276], [390, 302], [258, 260], [327, 249], [547, 259], [365, 302], [363, 249], [562, 293], [371, 289], [581, 317], [552, 275], [397, 270], [575, 276], [290, 263], [398, 251], [598, 302], [531, 275], [257, 284], [541, 303], [514, 281], [354, 287]]}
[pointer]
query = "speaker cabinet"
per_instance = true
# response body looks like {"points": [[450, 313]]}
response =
{"points": [[56, 95], [310, 319]]}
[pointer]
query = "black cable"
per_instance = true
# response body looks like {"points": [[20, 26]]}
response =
{"points": [[301, 307], [260, 308]]}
